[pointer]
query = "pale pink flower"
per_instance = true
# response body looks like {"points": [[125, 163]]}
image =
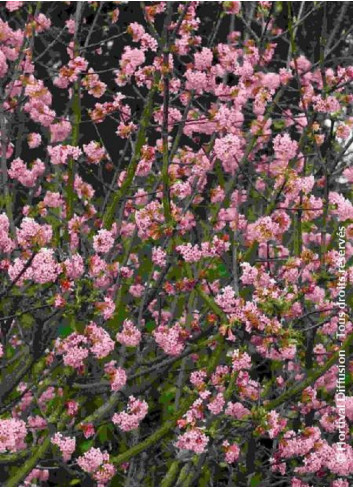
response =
{"points": [[130, 335], [66, 445]]}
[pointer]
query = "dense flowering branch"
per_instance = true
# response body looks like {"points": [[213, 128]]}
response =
{"points": [[176, 229]]}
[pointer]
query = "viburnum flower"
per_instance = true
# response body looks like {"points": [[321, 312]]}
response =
{"points": [[117, 376], [66, 445], [12, 434], [12, 6], [92, 460], [94, 152], [101, 345], [131, 418], [41, 475], [26, 177], [103, 241], [130, 335], [217, 404], [88, 429], [107, 308], [189, 230], [74, 349], [171, 340], [236, 410], [240, 361], [96, 463], [194, 440], [231, 452], [60, 154], [34, 139], [59, 131]]}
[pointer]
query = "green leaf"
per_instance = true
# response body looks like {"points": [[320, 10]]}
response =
{"points": [[166, 397], [64, 330], [104, 433], [86, 445], [75, 482], [255, 480], [150, 326], [27, 320], [222, 270]]}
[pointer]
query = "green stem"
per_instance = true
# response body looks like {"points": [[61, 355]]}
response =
{"points": [[38, 454], [76, 108], [171, 475], [311, 378], [21, 472], [169, 424], [109, 214]]}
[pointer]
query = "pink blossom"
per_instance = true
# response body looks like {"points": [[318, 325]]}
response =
{"points": [[59, 131], [74, 349], [12, 434], [66, 445], [240, 361], [6, 243], [3, 65], [60, 154], [231, 452], [217, 404], [130, 335], [131, 418], [92, 460], [94, 152], [74, 266], [159, 256], [101, 343], [26, 177], [41, 475], [12, 6], [103, 241], [171, 340], [194, 440], [34, 140], [236, 410], [117, 376]]}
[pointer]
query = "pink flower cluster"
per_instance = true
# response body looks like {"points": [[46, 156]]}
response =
{"points": [[117, 376], [6, 243], [229, 150], [60, 154], [193, 254], [94, 152], [101, 345], [76, 347], [69, 73], [159, 256], [103, 241], [34, 140], [96, 463], [43, 268], [194, 440], [12, 434], [93, 84], [171, 340], [59, 131], [31, 233], [36, 475], [232, 452], [66, 445], [28, 178], [130, 61], [131, 418], [130, 335]]}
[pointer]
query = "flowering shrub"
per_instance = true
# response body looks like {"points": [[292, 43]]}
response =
{"points": [[176, 244]]}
